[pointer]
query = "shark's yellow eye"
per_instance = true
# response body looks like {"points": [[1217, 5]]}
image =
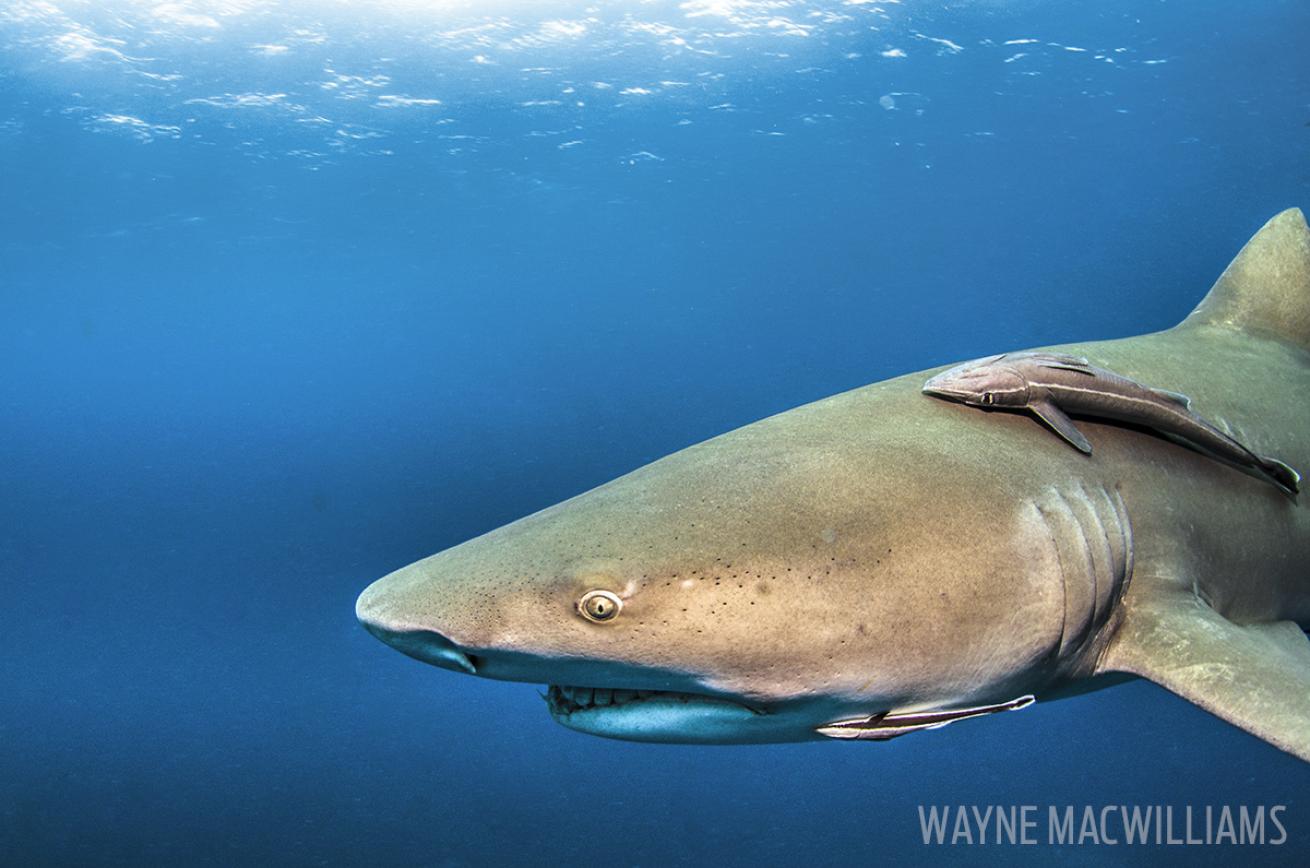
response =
{"points": [[599, 606]]}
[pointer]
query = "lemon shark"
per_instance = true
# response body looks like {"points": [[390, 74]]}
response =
{"points": [[881, 562]]}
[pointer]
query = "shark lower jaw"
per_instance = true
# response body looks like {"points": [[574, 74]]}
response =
{"points": [[639, 712], [658, 715]]}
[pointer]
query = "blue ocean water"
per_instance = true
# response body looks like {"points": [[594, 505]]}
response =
{"points": [[294, 294]]}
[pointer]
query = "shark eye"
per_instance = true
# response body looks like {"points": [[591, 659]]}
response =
{"points": [[599, 606], [988, 398]]}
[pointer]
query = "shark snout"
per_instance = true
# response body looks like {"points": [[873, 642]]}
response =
{"points": [[423, 644]]}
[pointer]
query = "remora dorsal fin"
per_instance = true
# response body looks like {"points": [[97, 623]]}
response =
{"points": [[1063, 362], [1176, 397], [1056, 359], [1266, 289], [1255, 676], [1067, 366]]}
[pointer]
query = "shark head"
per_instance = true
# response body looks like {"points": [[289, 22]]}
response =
{"points": [[753, 588], [877, 563], [982, 383]]}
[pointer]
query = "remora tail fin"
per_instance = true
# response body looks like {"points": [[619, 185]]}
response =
{"points": [[1285, 476], [1266, 288]]}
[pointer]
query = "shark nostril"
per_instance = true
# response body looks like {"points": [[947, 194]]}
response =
{"points": [[377, 611], [428, 646]]}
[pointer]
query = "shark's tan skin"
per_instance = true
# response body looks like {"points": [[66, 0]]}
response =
{"points": [[877, 556], [1052, 385]]}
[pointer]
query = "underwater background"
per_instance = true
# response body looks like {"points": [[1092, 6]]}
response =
{"points": [[292, 295]]}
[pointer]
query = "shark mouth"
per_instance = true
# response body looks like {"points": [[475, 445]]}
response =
{"points": [[564, 701]]}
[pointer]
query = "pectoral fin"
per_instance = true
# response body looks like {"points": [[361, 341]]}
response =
{"points": [[1255, 676], [1061, 424]]}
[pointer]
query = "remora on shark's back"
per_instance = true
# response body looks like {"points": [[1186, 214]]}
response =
{"points": [[876, 563], [1051, 385]]}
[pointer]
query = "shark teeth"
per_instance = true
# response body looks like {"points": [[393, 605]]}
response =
{"points": [[563, 700], [566, 700]]}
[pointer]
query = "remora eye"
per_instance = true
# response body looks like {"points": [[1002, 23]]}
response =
{"points": [[599, 606], [987, 398]]}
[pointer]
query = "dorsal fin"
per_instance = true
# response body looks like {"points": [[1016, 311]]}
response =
{"points": [[1177, 397], [1266, 289], [1061, 359], [1061, 365]]}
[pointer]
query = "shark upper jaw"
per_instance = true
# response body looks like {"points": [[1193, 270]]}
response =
{"points": [[635, 702], [630, 703]]}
